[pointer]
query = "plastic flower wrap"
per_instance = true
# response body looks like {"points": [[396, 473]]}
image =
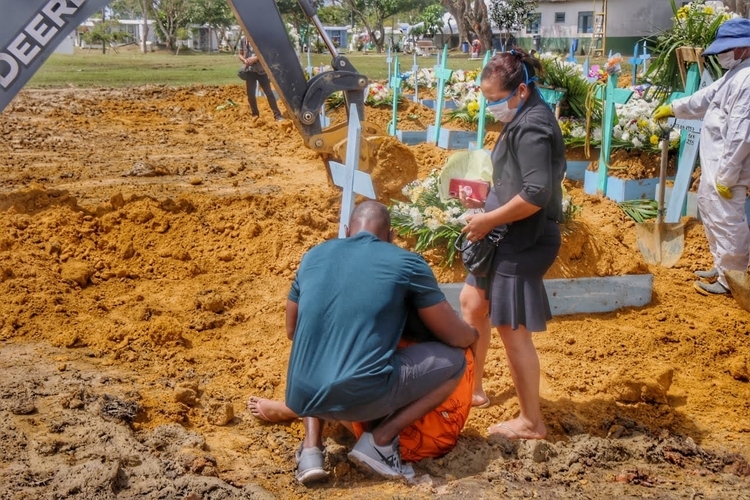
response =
{"points": [[613, 64], [425, 217]]}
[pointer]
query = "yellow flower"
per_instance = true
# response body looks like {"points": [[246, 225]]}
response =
{"points": [[473, 107], [436, 214], [416, 193], [642, 123], [708, 10], [654, 139]]}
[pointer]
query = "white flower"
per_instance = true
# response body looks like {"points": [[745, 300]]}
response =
{"points": [[416, 217], [637, 142], [625, 136]]}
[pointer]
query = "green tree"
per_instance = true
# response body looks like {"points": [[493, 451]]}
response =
{"points": [[512, 15], [216, 14], [170, 15], [293, 14], [432, 17], [134, 9], [373, 13], [105, 33], [334, 15]]}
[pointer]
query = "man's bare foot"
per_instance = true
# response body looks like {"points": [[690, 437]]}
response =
{"points": [[269, 410], [480, 400], [518, 428]]}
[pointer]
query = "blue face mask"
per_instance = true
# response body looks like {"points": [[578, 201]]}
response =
{"points": [[501, 111]]}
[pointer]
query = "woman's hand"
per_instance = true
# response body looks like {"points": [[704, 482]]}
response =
{"points": [[469, 202], [477, 226]]}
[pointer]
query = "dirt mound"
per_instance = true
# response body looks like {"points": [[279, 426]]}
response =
{"points": [[159, 300]]}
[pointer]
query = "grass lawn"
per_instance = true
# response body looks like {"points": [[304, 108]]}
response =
{"points": [[129, 67]]}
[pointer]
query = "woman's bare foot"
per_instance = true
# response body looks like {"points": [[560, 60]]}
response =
{"points": [[518, 428], [269, 410], [480, 400]]}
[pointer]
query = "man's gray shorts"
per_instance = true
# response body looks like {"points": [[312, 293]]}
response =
{"points": [[424, 367]]}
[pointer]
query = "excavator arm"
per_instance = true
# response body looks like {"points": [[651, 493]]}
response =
{"points": [[265, 30], [30, 30]]}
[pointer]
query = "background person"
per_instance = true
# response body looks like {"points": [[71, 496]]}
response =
{"points": [[724, 107], [528, 168], [345, 316], [253, 74]]}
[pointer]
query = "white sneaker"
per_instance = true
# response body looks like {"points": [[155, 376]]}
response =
{"points": [[384, 460]]}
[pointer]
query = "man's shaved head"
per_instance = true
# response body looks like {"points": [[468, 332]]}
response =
{"points": [[372, 217]]}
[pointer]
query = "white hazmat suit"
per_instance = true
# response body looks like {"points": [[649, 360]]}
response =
{"points": [[725, 159]]}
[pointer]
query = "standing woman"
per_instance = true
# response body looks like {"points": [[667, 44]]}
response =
{"points": [[528, 168]]}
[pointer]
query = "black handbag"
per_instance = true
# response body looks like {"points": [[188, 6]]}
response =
{"points": [[244, 73], [478, 256]]}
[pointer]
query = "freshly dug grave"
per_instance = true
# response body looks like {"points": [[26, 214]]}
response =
{"points": [[147, 243]]}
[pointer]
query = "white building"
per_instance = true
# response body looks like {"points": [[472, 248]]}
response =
{"points": [[620, 23]]}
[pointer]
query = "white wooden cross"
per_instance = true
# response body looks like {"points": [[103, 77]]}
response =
{"points": [[686, 162], [348, 176]]}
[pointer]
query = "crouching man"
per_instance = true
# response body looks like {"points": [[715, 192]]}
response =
{"points": [[345, 313]]}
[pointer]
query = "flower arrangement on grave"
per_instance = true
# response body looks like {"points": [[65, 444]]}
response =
{"points": [[316, 70], [557, 73], [694, 25], [377, 95], [425, 78], [434, 223], [574, 132], [427, 218], [467, 105], [636, 129]]}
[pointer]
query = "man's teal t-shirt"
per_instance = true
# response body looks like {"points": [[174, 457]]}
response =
{"points": [[354, 295]]}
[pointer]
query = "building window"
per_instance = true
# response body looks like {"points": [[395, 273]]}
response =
{"points": [[559, 17], [535, 20], [585, 22]]}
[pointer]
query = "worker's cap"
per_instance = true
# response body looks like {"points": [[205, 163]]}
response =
{"points": [[733, 34]]}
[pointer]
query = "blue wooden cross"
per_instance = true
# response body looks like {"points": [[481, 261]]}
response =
{"points": [[635, 61], [571, 54], [395, 83], [482, 105], [348, 176], [645, 57], [611, 96], [443, 75], [688, 153]]}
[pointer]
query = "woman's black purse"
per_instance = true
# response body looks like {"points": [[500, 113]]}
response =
{"points": [[478, 256]]}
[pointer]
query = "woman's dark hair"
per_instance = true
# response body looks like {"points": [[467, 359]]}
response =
{"points": [[507, 68]]}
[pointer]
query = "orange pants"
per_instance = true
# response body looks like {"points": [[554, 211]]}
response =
{"points": [[436, 433]]}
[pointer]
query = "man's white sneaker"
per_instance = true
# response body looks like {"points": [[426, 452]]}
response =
{"points": [[384, 460]]}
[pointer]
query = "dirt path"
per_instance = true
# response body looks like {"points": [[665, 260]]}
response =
{"points": [[147, 243]]}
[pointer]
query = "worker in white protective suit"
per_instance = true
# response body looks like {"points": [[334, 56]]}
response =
{"points": [[724, 153]]}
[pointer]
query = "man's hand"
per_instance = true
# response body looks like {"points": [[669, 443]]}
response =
{"points": [[477, 227], [724, 191], [663, 112]]}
